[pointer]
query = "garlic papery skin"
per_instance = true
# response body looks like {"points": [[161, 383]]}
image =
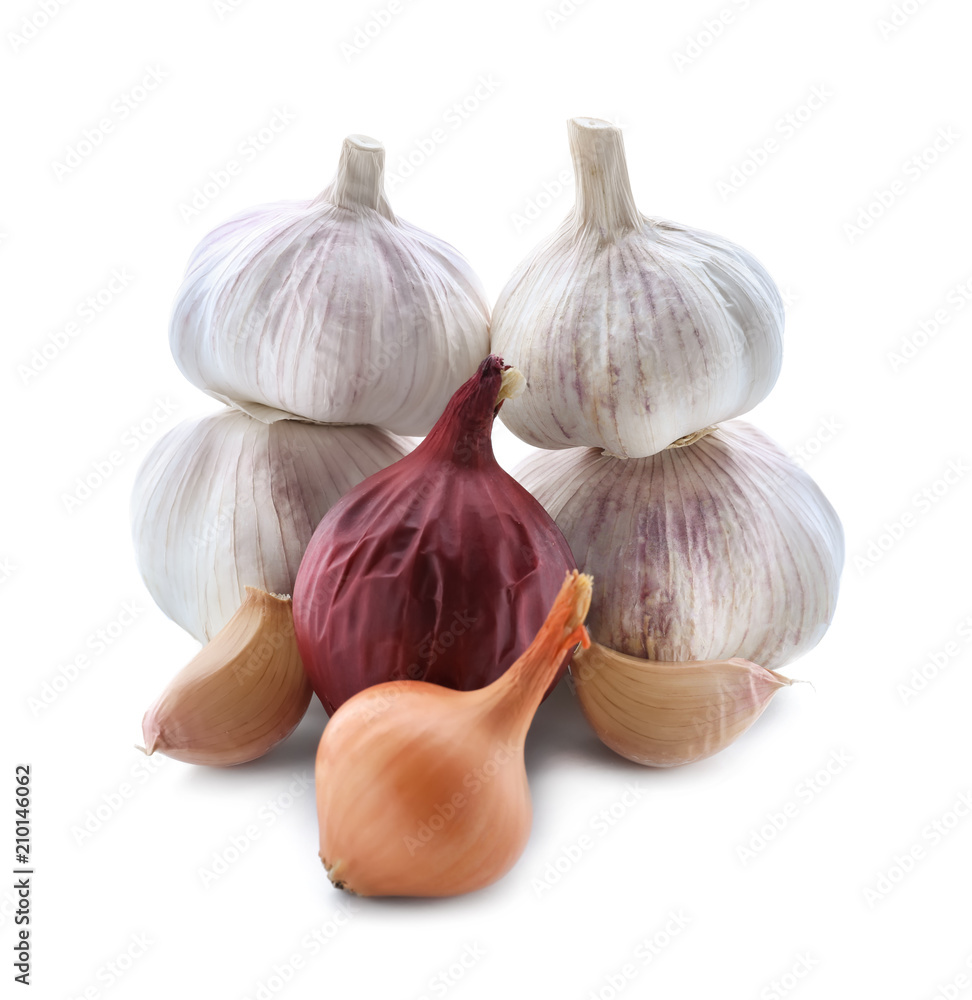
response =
{"points": [[333, 310], [667, 714], [422, 790], [723, 548], [227, 501], [632, 331], [242, 693]]}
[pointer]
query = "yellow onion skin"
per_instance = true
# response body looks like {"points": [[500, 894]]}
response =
{"points": [[410, 834], [422, 790]]}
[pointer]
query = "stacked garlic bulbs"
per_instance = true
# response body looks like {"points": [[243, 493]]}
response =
{"points": [[297, 314], [640, 340], [225, 502], [723, 548], [632, 332], [331, 310], [327, 327]]}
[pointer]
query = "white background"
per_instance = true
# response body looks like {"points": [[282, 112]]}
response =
{"points": [[854, 298]]}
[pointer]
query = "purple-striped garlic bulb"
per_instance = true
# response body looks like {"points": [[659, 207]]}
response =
{"points": [[332, 310], [632, 332], [720, 549]]}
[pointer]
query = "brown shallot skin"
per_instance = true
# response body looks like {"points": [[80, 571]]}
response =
{"points": [[440, 568], [422, 791]]}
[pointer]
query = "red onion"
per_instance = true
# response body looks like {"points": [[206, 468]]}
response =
{"points": [[440, 567]]}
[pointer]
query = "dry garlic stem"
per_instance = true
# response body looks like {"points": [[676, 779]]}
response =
{"points": [[421, 790], [665, 714], [241, 695]]}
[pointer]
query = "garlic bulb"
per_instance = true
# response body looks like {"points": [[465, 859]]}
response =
{"points": [[723, 548], [227, 501], [239, 696], [332, 309], [668, 714], [632, 332]]}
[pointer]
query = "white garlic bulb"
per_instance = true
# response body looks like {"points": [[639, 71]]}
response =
{"points": [[632, 332], [724, 548], [333, 309], [226, 502]]}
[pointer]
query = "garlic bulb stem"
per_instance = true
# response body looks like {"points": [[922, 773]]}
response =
{"points": [[684, 442], [360, 179], [603, 202]]}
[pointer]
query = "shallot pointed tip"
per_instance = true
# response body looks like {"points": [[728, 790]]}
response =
{"points": [[581, 585]]}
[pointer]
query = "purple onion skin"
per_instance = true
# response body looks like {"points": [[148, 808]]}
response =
{"points": [[440, 568]]}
